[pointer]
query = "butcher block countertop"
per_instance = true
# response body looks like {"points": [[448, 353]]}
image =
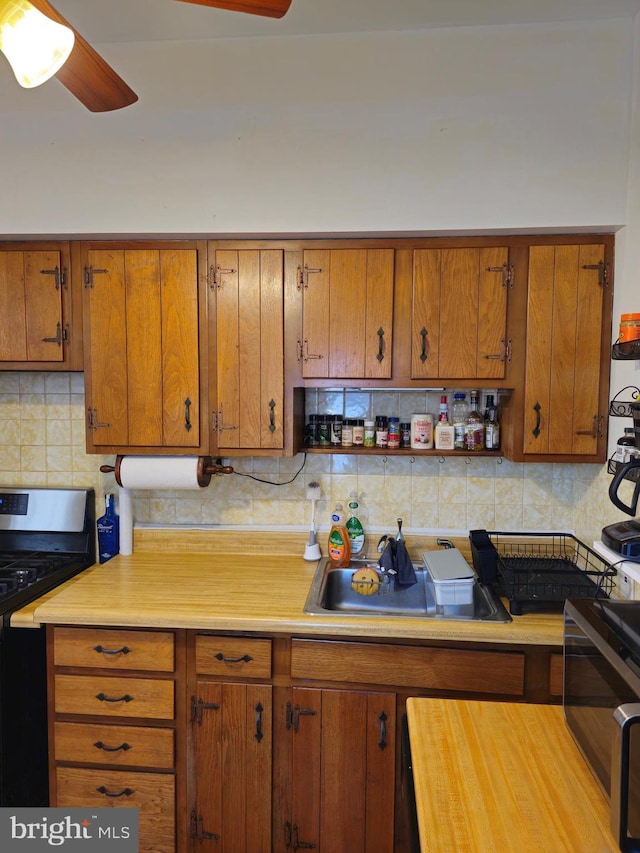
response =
{"points": [[510, 779], [196, 581]]}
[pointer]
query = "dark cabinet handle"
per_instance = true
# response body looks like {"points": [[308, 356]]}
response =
{"points": [[124, 650], [125, 792], [272, 415], [259, 734], [380, 333], [102, 697], [382, 743], [423, 353], [123, 746], [187, 414], [536, 430], [243, 659]]}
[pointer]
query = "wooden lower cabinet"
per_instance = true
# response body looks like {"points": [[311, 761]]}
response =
{"points": [[231, 732], [341, 769], [152, 793], [114, 700], [254, 744]]}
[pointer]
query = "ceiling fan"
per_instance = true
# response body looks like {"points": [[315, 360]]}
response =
{"points": [[86, 74]]}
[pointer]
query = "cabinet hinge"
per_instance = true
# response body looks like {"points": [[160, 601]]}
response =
{"points": [[597, 428], [214, 275], [196, 830], [217, 422], [291, 840], [59, 276], [293, 714], [89, 273], [303, 351], [62, 336], [507, 273], [303, 274], [505, 355], [92, 420], [603, 272], [198, 706]]}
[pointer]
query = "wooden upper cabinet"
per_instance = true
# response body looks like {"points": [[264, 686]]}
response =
{"points": [[563, 409], [459, 313], [36, 308], [347, 313], [142, 347], [247, 286]]}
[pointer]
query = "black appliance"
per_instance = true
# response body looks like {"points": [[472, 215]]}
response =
{"points": [[624, 537], [46, 537], [601, 699]]}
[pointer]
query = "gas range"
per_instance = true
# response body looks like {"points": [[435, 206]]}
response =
{"points": [[46, 537]]}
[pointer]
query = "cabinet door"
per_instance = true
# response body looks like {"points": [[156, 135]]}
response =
{"points": [[563, 356], [347, 313], [248, 288], [232, 737], [141, 339], [459, 313], [343, 767], [31, 323]]}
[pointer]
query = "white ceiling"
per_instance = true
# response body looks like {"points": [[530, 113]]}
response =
{"points": [[103, 22]]}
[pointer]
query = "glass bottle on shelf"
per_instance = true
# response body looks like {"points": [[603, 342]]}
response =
{"points": [[491, 425], [474, 430], [460, 414]]}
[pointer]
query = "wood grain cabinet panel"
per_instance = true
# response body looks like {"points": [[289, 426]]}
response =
{"points": [[247, 301], [565, 314], [142, 350], [426, 668], [114, 697], [113, 649], [132, 746], [347, 316], [38, 328], [152, 793], [233, 656], [459, 313]]}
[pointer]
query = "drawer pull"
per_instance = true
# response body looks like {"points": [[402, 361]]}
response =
{"points": [[102, 697], [243, 659], [99, 745], [101, 650], [126, 792]]}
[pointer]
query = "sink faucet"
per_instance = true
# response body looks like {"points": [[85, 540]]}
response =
{"points": [[384, 539]]}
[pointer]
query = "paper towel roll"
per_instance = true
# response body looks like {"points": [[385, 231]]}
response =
{"points": [[159, 472], [125, 505]]}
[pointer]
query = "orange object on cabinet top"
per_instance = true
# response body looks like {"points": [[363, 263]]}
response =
{"points": [[629, 328]]}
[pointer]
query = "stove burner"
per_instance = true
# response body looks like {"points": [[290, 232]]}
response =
{"points": [[21, 569]]}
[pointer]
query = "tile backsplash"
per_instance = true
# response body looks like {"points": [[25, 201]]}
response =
{"points": [[42, 443]]}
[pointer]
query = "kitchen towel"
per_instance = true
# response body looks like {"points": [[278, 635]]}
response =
{"points": [[396, 559]]}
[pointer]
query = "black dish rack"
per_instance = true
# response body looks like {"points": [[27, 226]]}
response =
{"points": [[539, 571]]}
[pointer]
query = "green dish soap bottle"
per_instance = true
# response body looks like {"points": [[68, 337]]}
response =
{"points": [[354, 526], [339, 540]]}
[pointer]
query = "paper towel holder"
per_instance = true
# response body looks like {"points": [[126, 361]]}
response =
{"points": [[206, 468]]}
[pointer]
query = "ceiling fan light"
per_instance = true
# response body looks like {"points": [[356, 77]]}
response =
{"points": [[35, 46]]}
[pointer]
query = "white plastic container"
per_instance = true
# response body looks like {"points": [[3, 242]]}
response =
{"points": [[453, 578]]}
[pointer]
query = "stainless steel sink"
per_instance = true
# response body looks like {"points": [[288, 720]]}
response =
{"points": [[331, 592]]}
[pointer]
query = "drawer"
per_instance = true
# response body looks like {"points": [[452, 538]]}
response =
{"points": [[99, 743], [238, 656], [113, 649], [152, 793], [422, 667], [115, 697], [556, 675]]}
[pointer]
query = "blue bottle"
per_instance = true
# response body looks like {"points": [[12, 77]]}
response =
{"points": [[108, 532]]}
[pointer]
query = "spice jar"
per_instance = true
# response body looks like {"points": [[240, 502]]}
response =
{"points": [[369, 437], [394, 433], [358, 432], [382, 431]]}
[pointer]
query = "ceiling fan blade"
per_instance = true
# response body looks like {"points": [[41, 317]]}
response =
{"points": [[86, 74], [269, 8]]}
